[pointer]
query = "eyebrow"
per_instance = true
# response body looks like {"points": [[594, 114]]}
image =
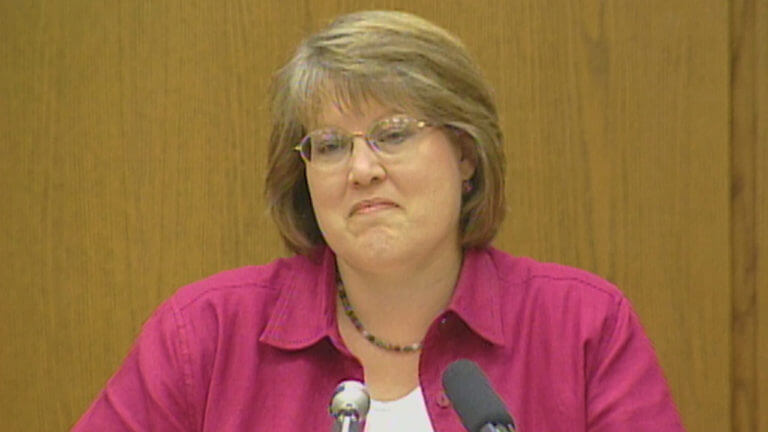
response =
{"points": [[392, 112]]}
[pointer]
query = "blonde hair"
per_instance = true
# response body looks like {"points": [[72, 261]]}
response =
{"points": [[398, 60]]}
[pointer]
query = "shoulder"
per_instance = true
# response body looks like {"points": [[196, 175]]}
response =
{"points": [[228, 308], [555, 299], [526, 276], [246, 291], [586, 342], [558, 305]]}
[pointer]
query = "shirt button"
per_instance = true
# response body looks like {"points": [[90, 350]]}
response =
{"points": [[443, 321], [443, 401]]}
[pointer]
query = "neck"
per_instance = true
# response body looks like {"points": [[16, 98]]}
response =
{"points": [[399, 304]]}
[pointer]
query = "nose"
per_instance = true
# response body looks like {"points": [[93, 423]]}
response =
{"points": [[365, 165]]}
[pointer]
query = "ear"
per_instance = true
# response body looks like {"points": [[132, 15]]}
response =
{"points": [[467, 154]]}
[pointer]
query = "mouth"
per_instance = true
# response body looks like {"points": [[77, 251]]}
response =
{"points": [[371, 205]]}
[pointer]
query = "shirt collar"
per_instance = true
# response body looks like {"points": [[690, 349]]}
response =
{"points": [[305, 311], [476, 299]]}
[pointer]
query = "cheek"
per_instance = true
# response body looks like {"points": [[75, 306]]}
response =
{"points": [[443, 174], [323, 193], [440, 189]]}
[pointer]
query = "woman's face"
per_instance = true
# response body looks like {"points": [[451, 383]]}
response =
{"points": [[379, 213]]}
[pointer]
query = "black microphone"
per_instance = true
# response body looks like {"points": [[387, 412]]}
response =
{"points": [[473, 398], [349, 406]]}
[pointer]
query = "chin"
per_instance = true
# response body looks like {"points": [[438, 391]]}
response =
{"points": [[375, 251]]}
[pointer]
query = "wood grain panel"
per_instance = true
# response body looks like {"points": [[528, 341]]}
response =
{"points": [[136, 136], [132, 136], [749, 211], [744, 240], [761, 184]]}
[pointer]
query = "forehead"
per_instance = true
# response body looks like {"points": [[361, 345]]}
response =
{"points": [[339, 101], [362, 116]]}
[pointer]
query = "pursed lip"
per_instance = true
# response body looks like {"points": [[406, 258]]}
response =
{"points": [[371, 205]]}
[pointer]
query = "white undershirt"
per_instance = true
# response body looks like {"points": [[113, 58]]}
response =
{"points": [[409, 413]]}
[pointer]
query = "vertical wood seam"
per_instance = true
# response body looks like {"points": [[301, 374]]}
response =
{"points": [[743, 226]]}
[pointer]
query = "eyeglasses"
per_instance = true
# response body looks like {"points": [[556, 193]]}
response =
{"points": [[332, 146]]}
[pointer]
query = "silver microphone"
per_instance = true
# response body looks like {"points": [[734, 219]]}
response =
{"points": [[349, 406]]}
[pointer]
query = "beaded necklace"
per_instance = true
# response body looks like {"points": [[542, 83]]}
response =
{"points": [[366, 334]]}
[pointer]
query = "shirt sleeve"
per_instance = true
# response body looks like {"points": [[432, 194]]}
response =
{"points": [[148, 392], [626, 387]]}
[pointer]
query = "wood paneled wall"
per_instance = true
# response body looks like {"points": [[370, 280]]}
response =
{"points": [[749, 214], [132, 136]]}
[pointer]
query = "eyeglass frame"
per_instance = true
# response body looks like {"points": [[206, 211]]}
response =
{"points": [[421, 124]]}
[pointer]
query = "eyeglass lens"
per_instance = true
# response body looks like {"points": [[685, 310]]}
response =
{"points": [[332, 145]]}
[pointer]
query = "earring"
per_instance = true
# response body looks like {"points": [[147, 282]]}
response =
{"points": [[467, 186]]}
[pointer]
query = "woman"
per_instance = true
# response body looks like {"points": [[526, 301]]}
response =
{"points": [[386, 178]]}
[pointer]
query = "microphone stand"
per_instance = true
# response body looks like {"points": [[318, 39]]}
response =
{"points": [[346, 423], [496, 427]]}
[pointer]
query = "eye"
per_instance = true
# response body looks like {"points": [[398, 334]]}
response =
{"points": [[395, 130], [327, 143], [393, 135]]}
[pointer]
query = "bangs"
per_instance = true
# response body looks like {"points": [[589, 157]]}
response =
{"points": [[349, 93]]}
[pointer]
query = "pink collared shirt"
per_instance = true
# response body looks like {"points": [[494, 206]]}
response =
{"points": [[258, 349]]}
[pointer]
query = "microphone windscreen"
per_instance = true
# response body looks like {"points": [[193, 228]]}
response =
{"points": [[350, 398], [472, 396]]}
